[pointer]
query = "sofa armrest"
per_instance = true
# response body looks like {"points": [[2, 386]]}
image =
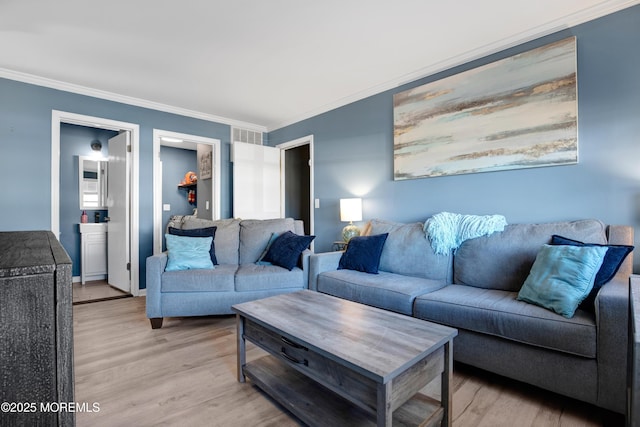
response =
{"points": [[155, 267], [304, 265], [319, 263], [633, 386], [612, 323]]}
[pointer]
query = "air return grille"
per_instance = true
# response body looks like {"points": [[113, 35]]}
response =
{"points": [[246, 135]]}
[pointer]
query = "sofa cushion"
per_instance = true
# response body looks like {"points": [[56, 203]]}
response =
{"points": [[614, 258], [255, 235], [254, 277], [199, 232], [188, 253], [227, 236], [385, 290], [499, 313], [503, 260], [562, 277], [286, 249], [218, 280], [407, 251], [363, 253]]}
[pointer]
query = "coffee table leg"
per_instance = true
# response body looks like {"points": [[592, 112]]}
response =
{"points": [[447, 378], [385, 415], [240, 348]]}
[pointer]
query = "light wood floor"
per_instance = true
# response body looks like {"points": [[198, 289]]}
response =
{"points": [[185, 375], [96, 290]]}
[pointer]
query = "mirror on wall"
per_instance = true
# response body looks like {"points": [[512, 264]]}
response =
{"points": [[92, 181]]}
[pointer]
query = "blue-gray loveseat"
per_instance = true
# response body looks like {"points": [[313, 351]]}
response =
{"points": [[236, 278], [475, 290]]}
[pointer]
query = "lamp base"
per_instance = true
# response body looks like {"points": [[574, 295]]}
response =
{"points": [[350, 231]]}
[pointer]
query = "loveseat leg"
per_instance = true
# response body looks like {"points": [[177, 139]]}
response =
{"points": [[156, 322]]}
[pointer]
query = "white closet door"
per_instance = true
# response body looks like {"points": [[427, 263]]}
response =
{"points": [[118, 205], [256, 181]]}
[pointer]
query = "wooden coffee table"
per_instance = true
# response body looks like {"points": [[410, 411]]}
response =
{"points": [[336, 362]]}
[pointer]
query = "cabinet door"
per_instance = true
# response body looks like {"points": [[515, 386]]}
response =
{"points": [[96, 254]]}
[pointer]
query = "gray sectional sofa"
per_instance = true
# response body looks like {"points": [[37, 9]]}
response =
{"points": [[474, 290], [237, 277]]}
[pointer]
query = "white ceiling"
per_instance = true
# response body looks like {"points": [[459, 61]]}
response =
{"points": [[260, 63]]}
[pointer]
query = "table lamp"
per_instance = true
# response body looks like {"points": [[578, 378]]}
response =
{"points": [[350, 210]]}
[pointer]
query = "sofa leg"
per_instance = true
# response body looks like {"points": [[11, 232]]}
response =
{"points": [[156, 322]]}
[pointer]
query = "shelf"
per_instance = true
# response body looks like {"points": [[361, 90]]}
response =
{"points": [[318, 406], [189, 186]]}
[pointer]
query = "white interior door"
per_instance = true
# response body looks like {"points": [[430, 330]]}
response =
{"points": [[118, 227], [256, 181]]}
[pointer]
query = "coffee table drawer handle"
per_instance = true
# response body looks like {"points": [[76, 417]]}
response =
{"points": [[292, 344], [283, 353]]}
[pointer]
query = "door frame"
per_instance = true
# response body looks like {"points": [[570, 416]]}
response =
{"points": [[59, 117], [305, 140], [187, 141]]}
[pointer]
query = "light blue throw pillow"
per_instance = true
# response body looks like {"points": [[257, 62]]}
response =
{"points": [[562, 276], [188, 253]]}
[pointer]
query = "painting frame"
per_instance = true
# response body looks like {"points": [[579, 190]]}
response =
{"points": [[205, 165], [513, 113]]}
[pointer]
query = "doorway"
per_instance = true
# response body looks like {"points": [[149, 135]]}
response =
{"points": [[207, 167], [297, 180], [129, 245]]}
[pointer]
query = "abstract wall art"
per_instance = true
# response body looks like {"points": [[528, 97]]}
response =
{"points": [[518, 112]]}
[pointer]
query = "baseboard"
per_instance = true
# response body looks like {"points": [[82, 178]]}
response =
{"points": [[78, 279]]}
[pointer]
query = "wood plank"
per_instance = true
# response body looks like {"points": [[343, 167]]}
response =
{"points": [[417, 377], [341, 380], [318, 406], [349, 332]]}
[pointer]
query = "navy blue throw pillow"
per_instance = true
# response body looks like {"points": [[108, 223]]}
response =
{"points": [[612, 261], [199, 232], [286, 249], [363, 253]]}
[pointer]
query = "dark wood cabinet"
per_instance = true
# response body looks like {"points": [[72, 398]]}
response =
{"points": [[36, 330]]}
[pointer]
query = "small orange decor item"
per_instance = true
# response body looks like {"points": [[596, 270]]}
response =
{"points": [[190, 178]]}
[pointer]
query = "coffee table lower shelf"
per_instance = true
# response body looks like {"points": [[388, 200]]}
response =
{"points": [[317, 406]]}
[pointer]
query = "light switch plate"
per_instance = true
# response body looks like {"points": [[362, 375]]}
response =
{"points": [[166, 207]]}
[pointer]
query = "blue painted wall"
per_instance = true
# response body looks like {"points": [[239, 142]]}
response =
{"points": [[25, 154], [354, 149], [76, 141], [176, 162]]}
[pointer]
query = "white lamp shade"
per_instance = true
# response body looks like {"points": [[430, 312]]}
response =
{"points": [[351, 209]]}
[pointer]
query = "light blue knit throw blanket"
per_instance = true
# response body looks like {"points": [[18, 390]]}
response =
{"points": [[447, 231]]}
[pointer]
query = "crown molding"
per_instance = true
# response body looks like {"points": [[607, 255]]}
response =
{"points": [[605, 8], [534, 33], [124, 99]]}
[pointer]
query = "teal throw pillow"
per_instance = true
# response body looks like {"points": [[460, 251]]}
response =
{"points": [[562, 277], [188, 253], [614, 258], [363, 253], [199, 232]]}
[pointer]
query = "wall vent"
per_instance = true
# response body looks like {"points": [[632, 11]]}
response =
{"points": [[246, 135]]}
